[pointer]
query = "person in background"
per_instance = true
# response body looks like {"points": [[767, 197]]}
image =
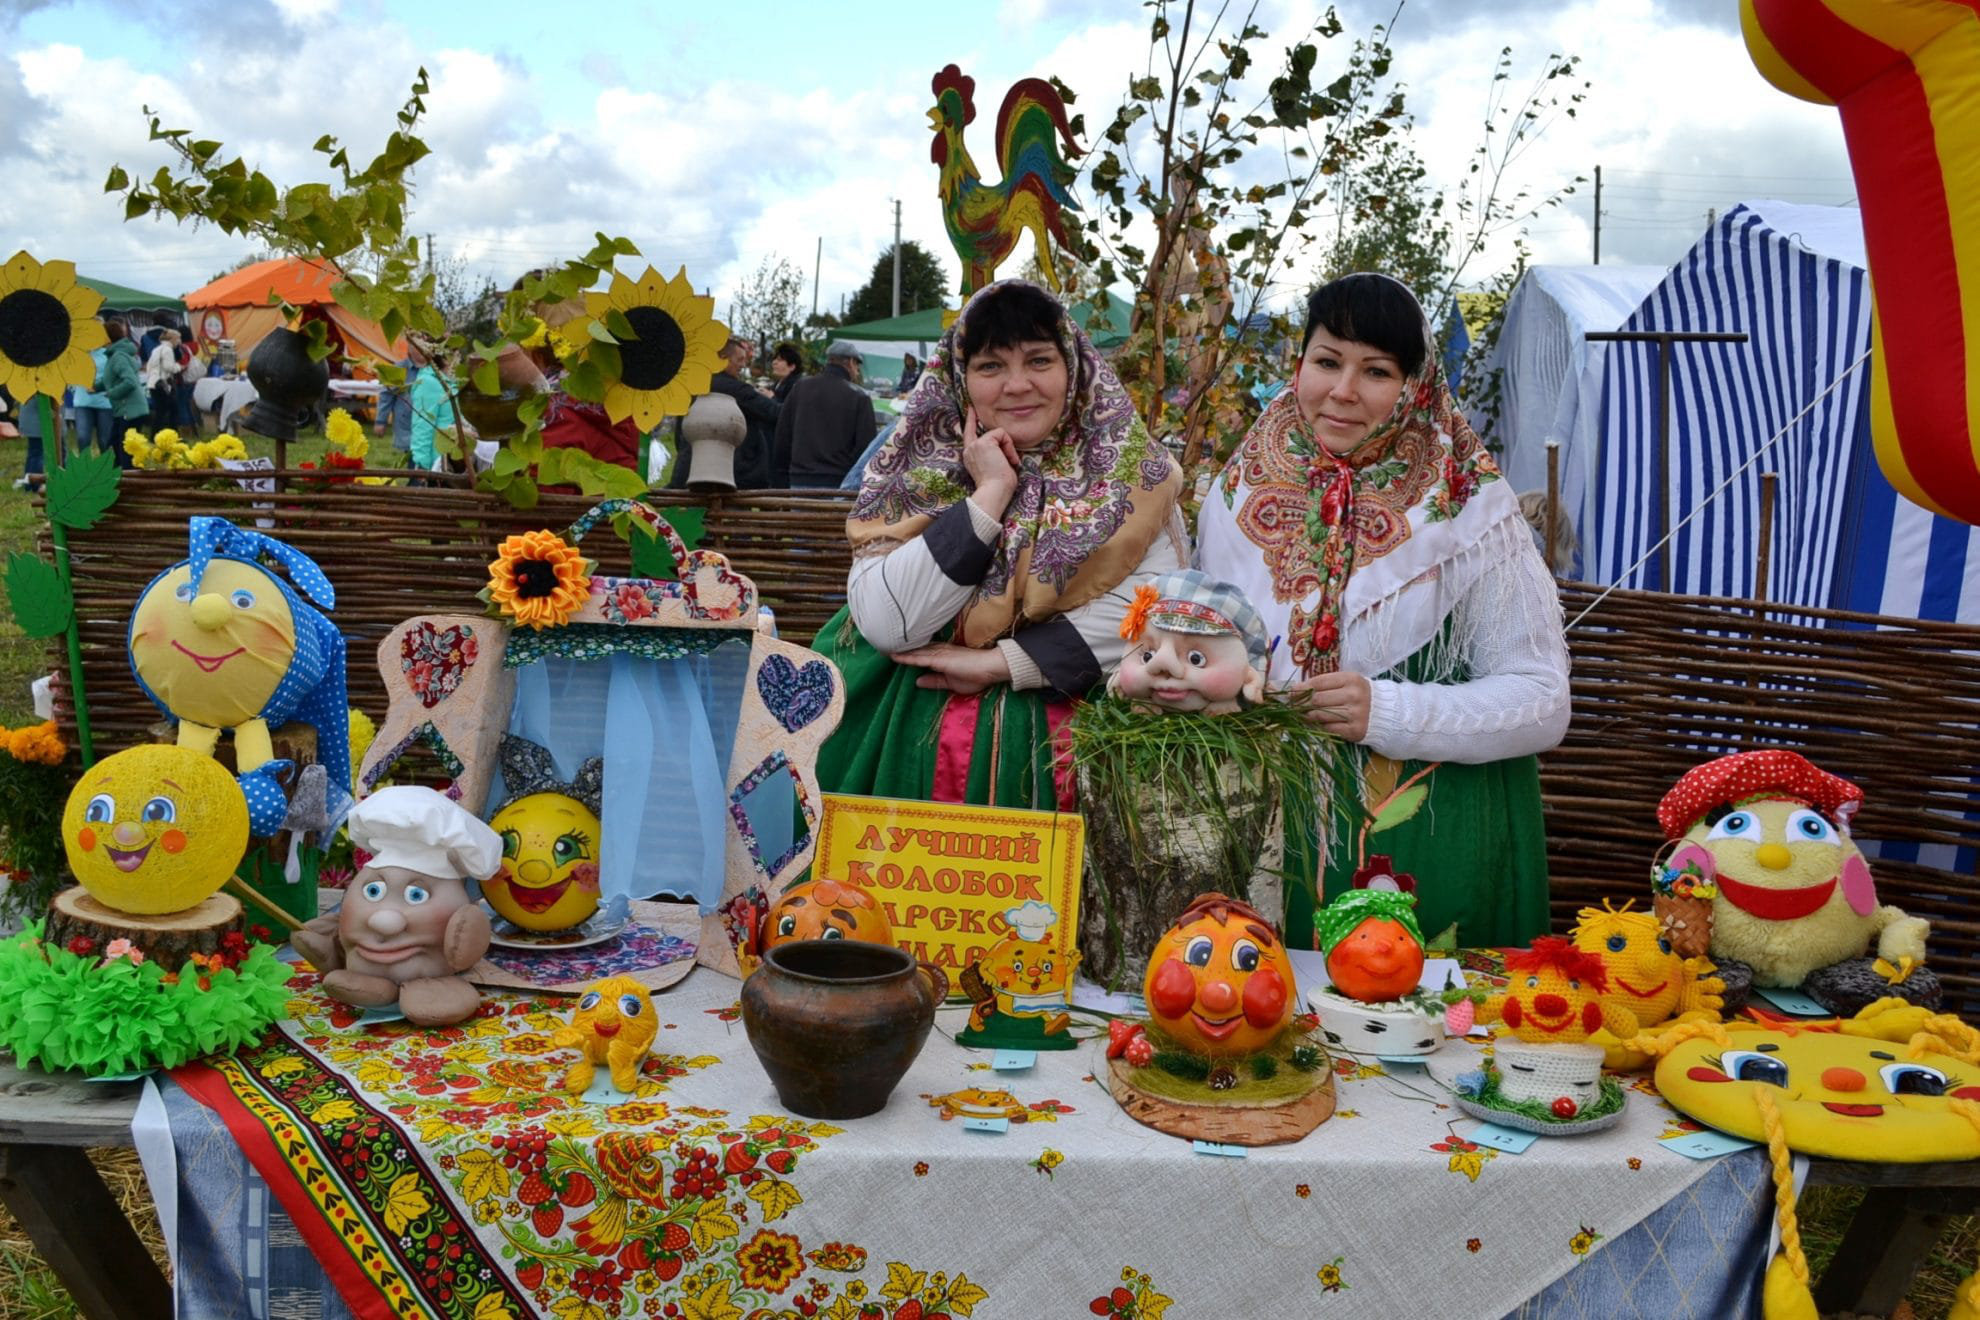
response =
{"points": [[395, 408], [826, 424], [192, 370], [93, 417], [758, 410], [787, 366], [161, 374], [27, 423], [122, 382], [910, 373], [431, 402]]}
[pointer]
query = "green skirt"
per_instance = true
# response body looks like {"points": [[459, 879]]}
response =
{"points": [[891, 742], [1477, 849]]}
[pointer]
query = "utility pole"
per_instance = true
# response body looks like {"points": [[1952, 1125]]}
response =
{"points": [[897, 257], [1598, 215], [1711, 217], [816, 261]]}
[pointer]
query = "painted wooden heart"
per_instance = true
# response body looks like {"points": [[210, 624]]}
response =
{"points": [[795, 696]]}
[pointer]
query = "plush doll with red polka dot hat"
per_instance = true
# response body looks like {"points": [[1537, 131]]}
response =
{"points": [[1765, 835]]}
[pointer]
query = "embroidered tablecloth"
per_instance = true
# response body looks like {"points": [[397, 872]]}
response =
{"points": [[439, 1173]]}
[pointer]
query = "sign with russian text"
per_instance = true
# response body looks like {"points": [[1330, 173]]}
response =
{"points": [[957, 881]]}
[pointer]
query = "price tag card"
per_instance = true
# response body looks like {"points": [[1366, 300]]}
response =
{"points": [[1510, 1141], [122, 1077], [373, 1017], [602, 1091], [1792, 1001], [1403, 1060], [1704, 1145], [1220, 1148], [1013, 1060], [997, 1125]]}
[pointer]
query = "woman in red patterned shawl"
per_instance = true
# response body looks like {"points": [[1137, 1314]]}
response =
{"points": [[997, 539], [1370, 527]]}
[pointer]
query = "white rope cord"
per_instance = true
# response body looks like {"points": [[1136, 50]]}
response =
{"points": [[1841, 376]]}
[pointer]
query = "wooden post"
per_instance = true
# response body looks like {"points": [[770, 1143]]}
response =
{"points": [[1764, 551], [1553, 522]]}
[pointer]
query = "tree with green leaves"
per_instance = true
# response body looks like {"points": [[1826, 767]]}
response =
{"points": [[924, 283], [765, 309]]}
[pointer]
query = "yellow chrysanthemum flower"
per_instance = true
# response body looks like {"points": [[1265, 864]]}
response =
{"points": [[539, 579], [47, 328], [676, 351], [343, 431]]}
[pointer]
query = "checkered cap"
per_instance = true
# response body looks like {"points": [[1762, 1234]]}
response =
{"points": [[1194, 602]]}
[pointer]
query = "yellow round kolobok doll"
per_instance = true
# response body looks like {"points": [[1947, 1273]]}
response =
{"points": [[551, 839]]}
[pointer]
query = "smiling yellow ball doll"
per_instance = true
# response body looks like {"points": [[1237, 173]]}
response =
{"points": [[550, 840], [154, 829]]}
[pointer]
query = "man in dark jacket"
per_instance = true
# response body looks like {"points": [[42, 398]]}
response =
{"points": [[759, 412], [826, 422]]}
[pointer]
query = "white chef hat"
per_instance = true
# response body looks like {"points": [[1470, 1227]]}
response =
{"points": [[424, 831], [1033, 921]]}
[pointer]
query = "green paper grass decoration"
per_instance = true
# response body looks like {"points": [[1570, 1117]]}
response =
{"points": [[1282, 1072], [61, 1010]]}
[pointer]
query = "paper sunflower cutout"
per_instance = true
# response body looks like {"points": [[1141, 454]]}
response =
{"points": [[47, 328], [538, 579], [676, 352]]}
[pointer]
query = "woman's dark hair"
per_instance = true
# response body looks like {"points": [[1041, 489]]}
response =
{"points": [[116, 328], [1011, 315], [789, 353], [1373, 310]]}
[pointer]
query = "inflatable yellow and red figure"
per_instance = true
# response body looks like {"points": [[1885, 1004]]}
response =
{"points": [[1906, 76]]}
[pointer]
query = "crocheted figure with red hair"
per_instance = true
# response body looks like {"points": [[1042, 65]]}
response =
{"points": [[1553, 996], [1766, 835]]}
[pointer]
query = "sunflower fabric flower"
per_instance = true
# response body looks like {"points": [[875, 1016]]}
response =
{"points": [[676, 349], [47, 328], [538, 579]]}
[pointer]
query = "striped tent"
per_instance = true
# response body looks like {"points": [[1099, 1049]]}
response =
{"points": [[1793, 279]]}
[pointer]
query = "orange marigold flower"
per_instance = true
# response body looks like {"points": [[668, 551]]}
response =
{"points": [[539, 579], [1135, 621], [36, 743]]}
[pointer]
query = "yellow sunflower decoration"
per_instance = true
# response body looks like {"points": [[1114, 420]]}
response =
{"points": [[676, 351], [48, 326], [538, 579]]}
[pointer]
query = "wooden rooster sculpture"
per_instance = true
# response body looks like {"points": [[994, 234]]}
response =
{"points": [[985, 219]]}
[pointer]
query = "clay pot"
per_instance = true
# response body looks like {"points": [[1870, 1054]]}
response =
{"points": [[285, 381], [837, 1022]]}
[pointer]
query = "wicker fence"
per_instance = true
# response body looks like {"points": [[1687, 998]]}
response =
{"points": [[1660, 682]]}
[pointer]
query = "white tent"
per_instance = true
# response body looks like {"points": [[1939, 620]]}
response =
{"points": [[1550, 386]]}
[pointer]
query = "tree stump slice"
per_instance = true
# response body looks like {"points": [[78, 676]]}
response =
{"points": [[167, 938], [1141, 874], [1230, 1125]]}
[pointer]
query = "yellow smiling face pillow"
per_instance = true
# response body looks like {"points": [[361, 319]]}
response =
{"points": [[1843, 1097], [154, 829]]}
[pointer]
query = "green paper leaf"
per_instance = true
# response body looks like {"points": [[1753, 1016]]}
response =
{"points": [[1399, 808], [689, 521], [42, 605], [82, 490]]}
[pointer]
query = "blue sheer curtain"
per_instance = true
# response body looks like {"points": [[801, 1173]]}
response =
{"points": [[666, 729]]}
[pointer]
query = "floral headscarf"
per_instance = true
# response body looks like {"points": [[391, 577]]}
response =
{"points": [[1321, 517], [1089, 503]]}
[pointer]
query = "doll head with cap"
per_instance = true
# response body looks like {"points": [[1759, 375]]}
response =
{"points": [[425, 850], [1194, 644]]}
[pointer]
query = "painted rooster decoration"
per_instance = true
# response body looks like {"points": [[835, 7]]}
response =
{"points": [[985, 219]]}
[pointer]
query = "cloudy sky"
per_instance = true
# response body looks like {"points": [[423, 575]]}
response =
{"points": [[723, 135]]}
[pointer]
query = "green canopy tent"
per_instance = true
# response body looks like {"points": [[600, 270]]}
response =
{"points": [[138, 308]]}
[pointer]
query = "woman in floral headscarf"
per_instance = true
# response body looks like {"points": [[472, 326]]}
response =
{"points": [[1369, 525], [997, 539]]}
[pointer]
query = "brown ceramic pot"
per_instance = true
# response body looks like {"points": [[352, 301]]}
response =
{"points": [[837, 1022]]}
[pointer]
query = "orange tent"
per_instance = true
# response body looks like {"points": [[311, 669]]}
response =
{"points": [[237, 306]]}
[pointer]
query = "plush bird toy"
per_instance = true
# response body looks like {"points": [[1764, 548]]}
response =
{"points": [[1794, 899], [219, 642]]}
